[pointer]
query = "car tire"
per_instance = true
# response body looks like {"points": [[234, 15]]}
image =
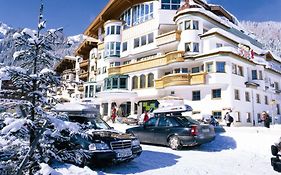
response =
{"points": [[174, 143]]}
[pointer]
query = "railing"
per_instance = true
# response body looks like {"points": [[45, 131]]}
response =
{"points": [[84, 63], [147, 64], [83, 75], [180, 80], [167, 38], [101, 46]]}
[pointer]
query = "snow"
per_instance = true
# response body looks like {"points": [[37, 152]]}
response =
{"points": [[46, 71], [63, 125], [13, 126], [239, 150]]}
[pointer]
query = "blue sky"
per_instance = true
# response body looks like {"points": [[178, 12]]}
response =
{"points": [[75, 15]]}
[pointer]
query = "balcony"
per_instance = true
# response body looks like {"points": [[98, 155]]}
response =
{"points": [[180, 80], [148, 64], [81, 88], [84, 63], [83, 75], [101, 46], [168, 41]]}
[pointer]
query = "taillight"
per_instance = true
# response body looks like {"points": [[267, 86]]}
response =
{"points": [[194, 131]]}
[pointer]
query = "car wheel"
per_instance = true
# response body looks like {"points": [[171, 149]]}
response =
{"points": [[174, 143]]}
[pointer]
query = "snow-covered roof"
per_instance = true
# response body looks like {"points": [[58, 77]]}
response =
{"points": [[75, 107], [235, 38]]}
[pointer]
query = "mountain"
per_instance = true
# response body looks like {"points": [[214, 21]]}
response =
{"points": [[268, 33], [7, 45]]}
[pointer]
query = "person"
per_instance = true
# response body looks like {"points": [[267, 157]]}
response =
{"points": [[228, 119], [145, 118], [113, 115], [213, 121], [266, 119]]}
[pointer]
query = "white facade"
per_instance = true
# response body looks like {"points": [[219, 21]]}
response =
{"points": [[196, 52]]}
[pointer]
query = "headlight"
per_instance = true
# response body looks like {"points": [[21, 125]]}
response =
{"points": [[98, 146], [135, 142]]}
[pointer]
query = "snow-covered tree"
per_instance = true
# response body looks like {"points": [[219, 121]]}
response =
{"points": [[31, 75]]}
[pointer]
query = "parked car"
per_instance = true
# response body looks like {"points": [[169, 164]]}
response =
{"points": [[173, 130], [275, 161], [101, 143]]}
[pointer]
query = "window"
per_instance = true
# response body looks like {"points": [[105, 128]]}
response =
{"points": [[218, 45], [143, 40], [184, 70], [276, 85], [258, 98], [136, 42], [104, 70], [254, 75], [164, 122], [170, 4], [248, 117], [86, 91], [195, 70], [260, 75], [177, 71], [196, 96], [247, 96], [209, 67], [123, 83], [150, 82], [217, 114], [99, 71], [112, 30], [118, 29], [142, 81], [220, 67], [195, 47], [236, 94], [240, 71], [195, 25], [92, 68], [187, 47], [216, 93], [98, 88], [265, 100], [125, 46], [135, 82], [112, 49], [278, 109], [150, 38], [234, 69], [187, 25], [237, 116], [137, 14], [114, 83], [91, 91], [151, 122]]}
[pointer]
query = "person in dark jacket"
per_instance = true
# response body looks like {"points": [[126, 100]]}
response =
{"points": [[266, 119], [228, 119]]}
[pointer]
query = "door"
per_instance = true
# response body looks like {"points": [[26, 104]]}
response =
{"points": [[162, 130], [146, 134]]}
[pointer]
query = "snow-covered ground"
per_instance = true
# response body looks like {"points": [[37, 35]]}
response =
{"points": [[238, 151]]}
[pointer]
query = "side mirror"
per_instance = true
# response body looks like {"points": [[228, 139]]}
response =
{"points": [[274, 150]]}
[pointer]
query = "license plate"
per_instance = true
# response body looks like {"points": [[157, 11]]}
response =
{"points": [[205, 130], [123, 152]]}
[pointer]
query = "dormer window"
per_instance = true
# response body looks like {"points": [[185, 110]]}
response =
{"points": [[170, 4]]}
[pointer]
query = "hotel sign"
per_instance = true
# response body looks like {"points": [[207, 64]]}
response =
{"points": [[246, 52]]}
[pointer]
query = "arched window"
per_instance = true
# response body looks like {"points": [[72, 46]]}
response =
{"points": [[135, 82], [150, 82], [142, 81]]}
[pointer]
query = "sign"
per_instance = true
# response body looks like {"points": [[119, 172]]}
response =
{"points": [[246, 52]]}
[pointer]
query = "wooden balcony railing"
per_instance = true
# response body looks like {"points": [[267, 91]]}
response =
{"points": [[180, 80], [169, 37]]}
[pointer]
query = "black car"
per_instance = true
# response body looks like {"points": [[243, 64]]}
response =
{"points": [[275, 161], [101, 144], [173, 131]]}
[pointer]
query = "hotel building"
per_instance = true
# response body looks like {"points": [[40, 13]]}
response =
{"points": [[139, 51]]}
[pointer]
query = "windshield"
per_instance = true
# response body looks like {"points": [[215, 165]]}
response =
{"points": [[92, 121]]}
